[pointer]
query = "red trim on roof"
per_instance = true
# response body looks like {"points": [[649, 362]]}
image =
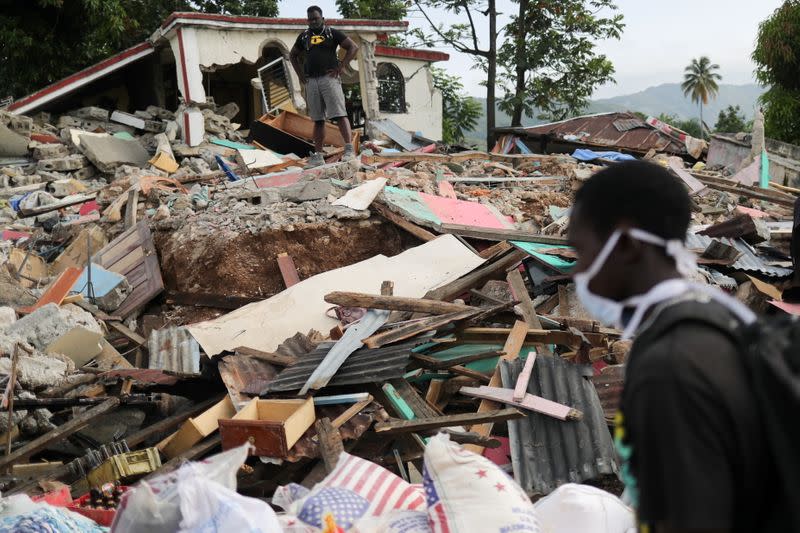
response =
{"points": [[410, 53], [182, 54], [81, 74], [266, 20]]}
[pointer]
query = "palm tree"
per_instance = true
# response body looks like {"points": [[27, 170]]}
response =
{"points": [[700, 82]]}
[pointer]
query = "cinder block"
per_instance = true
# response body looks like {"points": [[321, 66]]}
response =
{"points": [[84, 173], [67, 121], [91, 113], [63, 164], [50, 151], [21, 124]]}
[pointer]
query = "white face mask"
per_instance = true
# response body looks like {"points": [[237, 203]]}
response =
{"points": [[608, 311]]}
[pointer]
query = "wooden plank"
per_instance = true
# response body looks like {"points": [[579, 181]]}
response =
{"points": [[477, 277], [395, 427], [415, 230], [125, 331], [439, 364], [493, 234], [131, 207], [394, 303], [495, 250], [513, 345], [521, 386], [520, 293], [434, 394], [758, 194], [415, 328], [330, 443], [60, 433], [478, 335], [474, 374], [57, 290], [351, 411], [563, 300], [529, 401], [418, 404], [170, 422], [66, 202], [288, 270]]}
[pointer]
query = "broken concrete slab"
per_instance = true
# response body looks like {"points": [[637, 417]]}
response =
{"points": [[305, 191], [49, 322], [66, 187], [91, 113], [7, 317], [37, 371], [107, 153], [12, 144]]}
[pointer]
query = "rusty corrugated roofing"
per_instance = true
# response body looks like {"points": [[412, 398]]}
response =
{"points": [[546, 452], [362, 366], [174, 349], [616, 130], [749, 260], [608, 385]]}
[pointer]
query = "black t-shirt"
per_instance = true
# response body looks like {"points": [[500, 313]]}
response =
{"points": [[689, 433], [320, 47]]}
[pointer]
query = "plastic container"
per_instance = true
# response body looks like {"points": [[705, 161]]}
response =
{"points": [[103, 517]]}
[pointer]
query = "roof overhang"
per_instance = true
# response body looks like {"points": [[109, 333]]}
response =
{"points": [[230, 22], [411, 53], [79, 79]]}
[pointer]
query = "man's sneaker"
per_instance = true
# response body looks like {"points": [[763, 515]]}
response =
{"points": [[316, 160], [349, 153]]}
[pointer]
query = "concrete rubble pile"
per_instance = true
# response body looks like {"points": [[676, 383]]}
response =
{"points": [[161, 302]]}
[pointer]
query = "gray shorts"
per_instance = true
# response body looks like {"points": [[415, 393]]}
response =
{"points": [[325, 98]]}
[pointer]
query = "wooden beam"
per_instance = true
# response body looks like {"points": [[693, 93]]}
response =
{"points": [[465, 437], [491, 234], [288, 270], [131, 207], [520, 293], [58, 434], [421, 424], [395, 303], [421, 408], [534, 336], [474, 374], [129, 333], [415, 328], [330, 443], [521, 386], [478, 277], [750, 192], [66, 202], [513, 345], [351, 411], [439, 364], [529, 401], [418, 232], [495, 249]]}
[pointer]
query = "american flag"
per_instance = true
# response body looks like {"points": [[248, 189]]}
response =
{"points": [[357, 488], [436, 511]]}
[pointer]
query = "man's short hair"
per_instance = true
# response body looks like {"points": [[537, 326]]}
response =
{"points": [[638, 193], [314, 8]]}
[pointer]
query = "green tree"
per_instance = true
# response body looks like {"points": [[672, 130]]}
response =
{"points": [[777, 59], [46, 40], [551, 63], [731, 120], [462, 36], [460, 113], [700, 83], [690, 126], [372, 9]]}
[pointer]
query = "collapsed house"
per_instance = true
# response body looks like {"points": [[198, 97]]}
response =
{"points": [[169, 291], [245, 61]]}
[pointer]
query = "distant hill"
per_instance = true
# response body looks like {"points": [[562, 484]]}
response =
{"points": [[666, 98]]}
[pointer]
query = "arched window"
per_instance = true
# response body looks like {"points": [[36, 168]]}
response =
{"points": [[391, 89]]}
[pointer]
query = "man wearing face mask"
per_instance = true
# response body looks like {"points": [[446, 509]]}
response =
{"points": [[321, 74], [688, 431]]}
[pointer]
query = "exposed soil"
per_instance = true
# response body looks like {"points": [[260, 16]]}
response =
{"points": [[245, 264]]}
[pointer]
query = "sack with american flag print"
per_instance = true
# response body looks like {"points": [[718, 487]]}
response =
{"points": [[467, 493], [355, 489]]}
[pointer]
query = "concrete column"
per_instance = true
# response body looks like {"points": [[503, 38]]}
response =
{"points": [[190, 83], [368, 74]]}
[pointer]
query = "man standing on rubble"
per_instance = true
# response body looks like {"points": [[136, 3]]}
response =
{"points": [[689, 432], [321, 74]]}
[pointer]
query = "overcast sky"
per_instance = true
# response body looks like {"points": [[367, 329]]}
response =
{"points": [[659, 40]]}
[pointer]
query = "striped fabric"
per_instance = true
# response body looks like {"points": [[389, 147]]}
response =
{"points": [[357, 488]]}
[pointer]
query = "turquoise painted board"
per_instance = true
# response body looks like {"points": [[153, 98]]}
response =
{"points": [[231, 144], [103, 281], [486, 366], [562, 265], [124, 135], [410, 203]]}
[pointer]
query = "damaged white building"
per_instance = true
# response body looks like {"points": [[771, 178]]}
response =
{"points": [[194, 56]]}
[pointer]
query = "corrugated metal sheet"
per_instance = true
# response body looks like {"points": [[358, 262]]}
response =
{"points": [[396, 133], [349, 343], [296, 346], [174, 349], [600, 130], [240, 373], [546, 452], [748, 262], [363, 366]]}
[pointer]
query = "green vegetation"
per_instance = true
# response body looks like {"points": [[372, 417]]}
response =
{"points": [[700, 83]]}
